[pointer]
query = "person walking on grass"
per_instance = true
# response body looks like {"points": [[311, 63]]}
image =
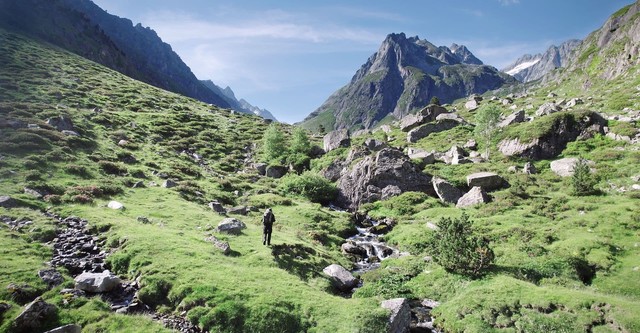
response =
{"points": [[267, 226]]}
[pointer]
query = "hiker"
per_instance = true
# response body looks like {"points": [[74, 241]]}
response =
{"points": [[267, 224]]}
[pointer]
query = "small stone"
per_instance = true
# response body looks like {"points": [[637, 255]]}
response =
{"points": [[115, 205]]}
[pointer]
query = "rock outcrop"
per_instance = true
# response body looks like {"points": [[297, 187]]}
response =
{"points": [[400, 318], [563, 128], [388, 171], [336, 139]]}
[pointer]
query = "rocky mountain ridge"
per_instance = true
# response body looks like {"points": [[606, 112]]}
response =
{"points": [[239, 105], [401, 77], [533, 67]]}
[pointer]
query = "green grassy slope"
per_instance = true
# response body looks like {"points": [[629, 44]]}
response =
{"points": [[178, 270]]}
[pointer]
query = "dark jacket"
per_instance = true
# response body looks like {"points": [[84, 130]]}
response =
{"points": [[267, 220]]}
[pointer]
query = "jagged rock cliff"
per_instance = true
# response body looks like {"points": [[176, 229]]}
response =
{"points": [[402, 77], [532, 67], [238, 105]]}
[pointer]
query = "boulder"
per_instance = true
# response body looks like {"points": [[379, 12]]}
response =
{"points": [[548, 108], [239, 210], [400, 318], [427, 129], [34, 315], [276, 171], [51, 277], [33, 193], [70, 133], [472, 105], [446, 191], [365, 180], [564, 128], [573, 102], [451, 116], [411, 121], [61, 123], [471, 144], [230, 226], [97, 282], [424, 157], [169, 183], [455, 156], [7, 201], [217, 207], [115, 205], [336, 139], [223, 246], [350, 248], [341, 278], [261, 168], [374, 145], [514, 118], [564, 166], [71, 328], [529, 169], [4, 307], [487, 180], [475, 196]]}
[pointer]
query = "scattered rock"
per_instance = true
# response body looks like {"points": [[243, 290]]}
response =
{"points": [[61, 123], [427, 129], [564, 166], [230, 225], [400, 319], [446, 191], [7, 201], [115, 205], [276, 171], [71, 328], [143, 219], [168, 183], [138, 184], [97, 282], [472, 105], [220, 245], [261, 168], [471, 144], [240, 210], [217, 207], [424, 157], [514, 118], [336, 139], [374, 145], [70, 133], [341, 278], [4, 307], [33, 192], [487, 180], [529, 169], [548, 108], [573, 102], [51, 277], [455, 156], [350, 248], [123, 143], [475, 196], [512, 169], [34, 315]]}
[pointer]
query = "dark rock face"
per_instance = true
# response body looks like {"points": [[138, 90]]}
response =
{"points": [[336, 139], [34, 315], [7, 201], [401, 77], [368, 179], [61, 123], [565, 128], [400, 319], [276, 171], [51, 277]]}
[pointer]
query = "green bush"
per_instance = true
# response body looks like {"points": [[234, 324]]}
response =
{"points": [[310, 185], [155, 292], [583, 181], [112, 168], [456, 248]]}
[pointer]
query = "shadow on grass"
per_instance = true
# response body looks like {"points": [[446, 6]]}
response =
{"points": [[299, 260]]}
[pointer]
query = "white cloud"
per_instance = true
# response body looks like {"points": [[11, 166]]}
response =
{"points": [[509, 2]]}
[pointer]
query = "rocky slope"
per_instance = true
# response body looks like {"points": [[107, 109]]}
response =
{"points": [[402, 77], [533, 67], [82, 27], [239, 105]]}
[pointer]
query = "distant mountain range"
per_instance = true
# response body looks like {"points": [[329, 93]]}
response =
{"points": [[401, 78], [533, 67], [238, 105], [82, 27]]}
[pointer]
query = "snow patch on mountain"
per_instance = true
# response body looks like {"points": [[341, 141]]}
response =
{"points": [[522, 66]]}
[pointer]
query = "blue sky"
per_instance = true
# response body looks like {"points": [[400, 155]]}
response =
{"points": [[289, 56]]}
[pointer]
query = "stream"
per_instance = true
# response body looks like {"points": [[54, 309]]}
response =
{"points": [[367, 251]]}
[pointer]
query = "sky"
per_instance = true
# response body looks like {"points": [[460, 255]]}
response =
{"points": [[289, 56]]}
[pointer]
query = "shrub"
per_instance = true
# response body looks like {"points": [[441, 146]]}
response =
{"points": [[79, 170], [582, 180], [112, 168], [273, 144], [155, 292], [459, 250], [310, 185]]}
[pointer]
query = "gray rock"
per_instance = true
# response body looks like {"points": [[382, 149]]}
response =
{"points": [[400, 318], [7, 201], [71, 328], [455, 156], [138, 184], [472, 105], [115, 205], [34, 315], [529, 168], [261, 168], [451, 116], [573, 102], [475, 196], [350, 248], [423, 156], [168, 183], [548, 108], [33, 126], [336, 139], [61, 123], [390, 191], [97, 282], [374, 145], [487, 180], [564, 166], [51, 277], [239, 210], [231, 225], [143, 219], [471, 144], [220, 245], [70, 133], [217, 207], [411, 121], [512, 169], [276, 171], [364, 181], [514, 118], [427, 129], [33, 192], [446, 191], [341, 278]]}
